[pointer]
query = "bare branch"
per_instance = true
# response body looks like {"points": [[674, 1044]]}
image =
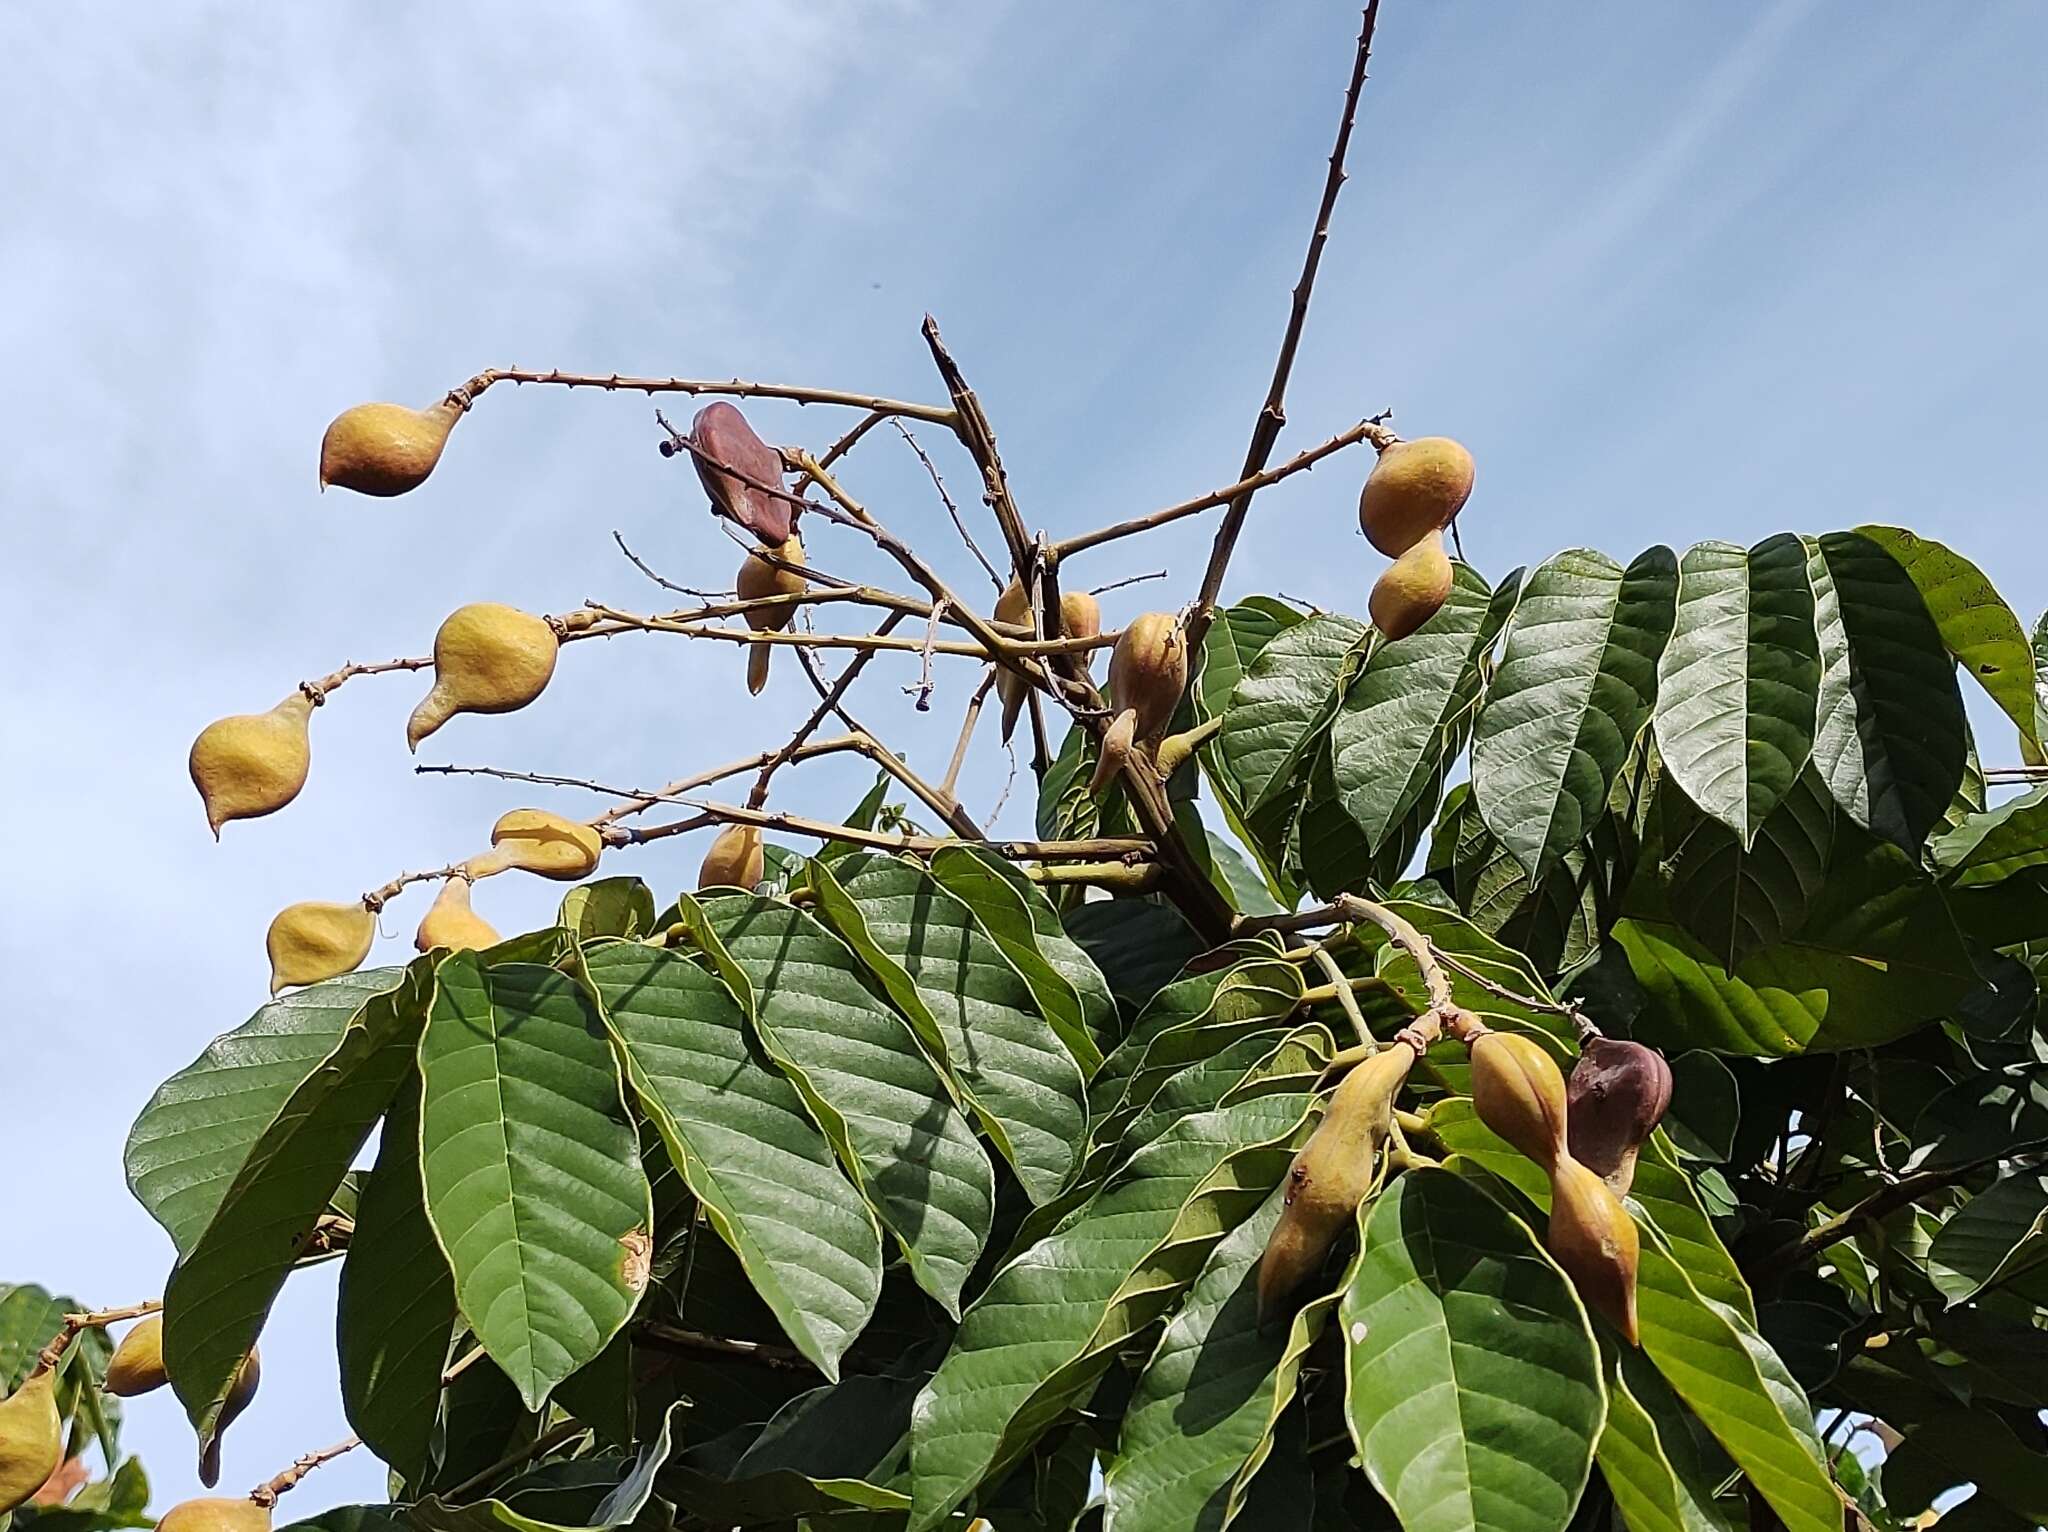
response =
{"points": [[921, 689], [666, 584], [1098, 849], [952, 510], [828, 700], [1137, 579], [737, 388], [971, 424], [951, 785]]}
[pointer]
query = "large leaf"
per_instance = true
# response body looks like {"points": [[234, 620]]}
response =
{"points": [[1134, 944], [1964, 1446], [199, 1126], [1232, 643], [1736, 898], [1990, 847], [736, 1129], [532, 1168], [1472, 1383], [221, 1292], [863, 1077], [1648, 1456], [934, 960], [1283, 702], [1890, 740], [631, 1484], [1999, 1234], [1976, 625], [608, 907], [1575, 686], [1738, 684], [1046, 1326], [396, 1309]]}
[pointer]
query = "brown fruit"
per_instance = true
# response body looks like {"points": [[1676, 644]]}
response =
{"points": [[1617, 1094], [252, 764], [137, 1365], [488, 658], [1593, 1238], [223, 1513], [758, 580], [385, 449], [1332, 1174], [1414, 489], [735, 859], [1012, 606], [1116, 749], [450, 922], [315, 940], [1412, 589], [1518, 1092], [533, 840], [723, 437], [1148, 671], [31, 1438]]}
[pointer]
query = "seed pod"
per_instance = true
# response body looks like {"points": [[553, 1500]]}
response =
{"points": [[1331, 1175], [1412, 589], [137, 1365], [1593, 1238], [1414, 489], [1014, 607], [252, 764], [451, 922], [735, 860], [385, 449], [1617, 1094], [1148, 671], [239, 1395], [488, 658], [1116, 749], [31, 1438], [758, 580], [315, 940], [1175, 749], [1519, 1093], [223, 1513], [533, 840], [723, 437]]}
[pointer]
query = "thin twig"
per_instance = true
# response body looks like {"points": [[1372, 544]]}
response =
{"points": [[828, 700], [540, 1446], [676, 1338], [89, 1319], [737, 388], [971, 424], [952, 783], [860, 428], [1886, 1199], [266, 1493], [1137, 579], [1100, 848], [661, 580], [952, 510], [921, 689], [869, 744], [1024, 651]]}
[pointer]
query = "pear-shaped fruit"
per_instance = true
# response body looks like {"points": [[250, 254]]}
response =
{"points": [[239, 1394], [1518, 1091], [451, 923], [252, 764], [533, 840], [315, 940], [723, 437], [1593, 1238], [735, 859], [1013, 607], [217, 1513], [1414, 489], [1148, 671], [1617, 1094], [1116, 750], [386, 449], [1412, 589], [487, 659], [758, 580], [137, 1365], [31, 1438]]}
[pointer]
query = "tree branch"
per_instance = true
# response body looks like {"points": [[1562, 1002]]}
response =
{"points": [[952, 510], [737, 388], [971, 424], [828, 700], [1099, 849], [1886, 1199]]}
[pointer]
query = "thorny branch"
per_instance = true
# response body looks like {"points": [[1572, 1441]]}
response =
{"points": [[737, 388], [952, 510]]}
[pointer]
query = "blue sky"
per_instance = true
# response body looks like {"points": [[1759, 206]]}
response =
{"points": [[1671, 272]]}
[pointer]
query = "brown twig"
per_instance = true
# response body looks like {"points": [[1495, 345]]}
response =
{"points": [[1024, 650], [676, 1338], [1097, 849], [663, 581], [921, 689], [266, 1493], [1136, 579], [828, 700], [1886, 1199], [89, 1319], [555, 1436], [869, 744], [971, 424], [952, 782], [952, 510], [860, 428], [737, 388]]}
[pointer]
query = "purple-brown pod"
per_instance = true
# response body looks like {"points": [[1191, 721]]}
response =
{"points": [[1616, 1096], [724, 438]]}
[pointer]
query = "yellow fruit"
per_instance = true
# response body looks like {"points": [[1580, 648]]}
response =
{"points": [[1593, 1238], [735, 859], [252, 764], [31, 1438], [316, 940], [1332, 1174], [1116, 749], [1412, 589], [1014, 607], [1414, 489], [487, 659], [1148, 671], [758, 580], [239, 1395], [385, 449], [221, 1513], [137, 1365], [451, 923], [533, 840], [1518, 1091]]}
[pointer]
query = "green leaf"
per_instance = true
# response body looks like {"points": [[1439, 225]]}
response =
{"points": [[1963, 1446], [221, 1291], [1283, 702], [1999, 1234], [1976, 625], [1223, 864], [608, 907], [863, 817], [1739, 899], [1134, 944], [532, 1168], [634, 1488], [1048, 1324], [1647, 1455], [1472, 1383], [1990, 847], [1890, 739], [200, 1125], [29, 1318], [935, 962], [1202, 1420], [764, 1176], [1233, 642], [1575, 686], [1066, 809], [1738, 683], [863, 1077], [396, 1309]]}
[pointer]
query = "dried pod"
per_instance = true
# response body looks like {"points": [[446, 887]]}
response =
{"points": [[1617, 1094], [533, 840], [1331, 1175], [239, 1395], [1148, 671], [487, 659], [386, 449], [1518, 1091], [1080, 615], [1014, 607], [735, 859], [1414, 489], [316, 940], [31, 1438], [724, 438], [1116, 749], [252, 764], [1412, 589], [450, 922], [137, 1365], [1593, 1238], [224, 1513], [759, 579]]}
